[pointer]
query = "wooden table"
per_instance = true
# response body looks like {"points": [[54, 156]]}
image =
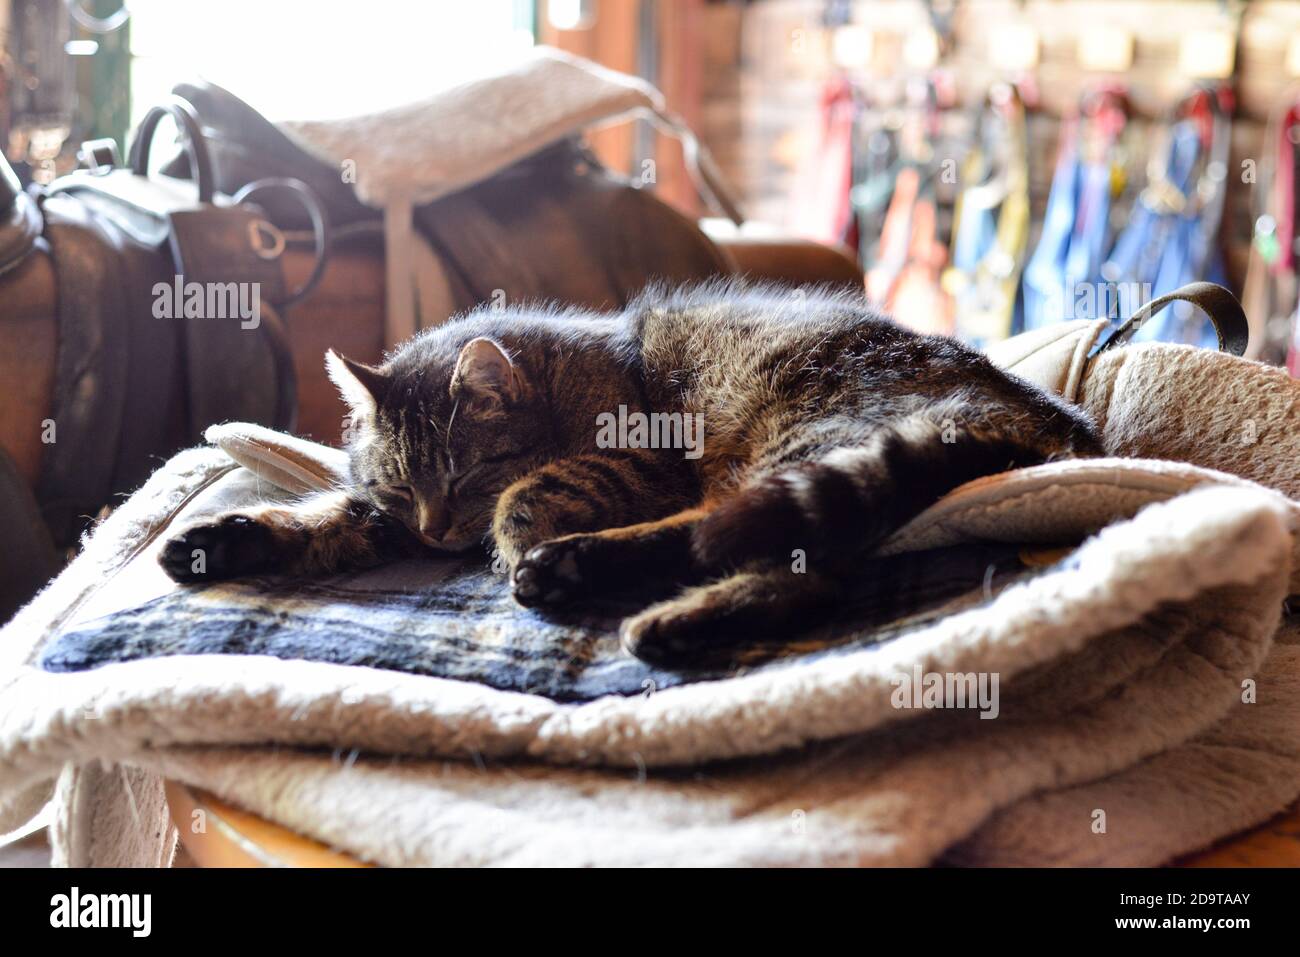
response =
{"points": [[235, 838], [230, 837]]}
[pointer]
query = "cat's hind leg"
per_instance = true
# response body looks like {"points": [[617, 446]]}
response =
{"points": [[846, 502], [744, 610]]}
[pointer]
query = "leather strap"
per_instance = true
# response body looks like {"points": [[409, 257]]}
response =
{"points": [[1219, 304], [20, 220], [320, 225], [700, 166], [187, 122]]}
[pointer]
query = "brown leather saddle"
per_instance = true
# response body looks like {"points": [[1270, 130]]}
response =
{"points": [[557, 225]]}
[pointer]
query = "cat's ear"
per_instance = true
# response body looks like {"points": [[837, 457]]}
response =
{"points": [[486, 376], [361, 386]]}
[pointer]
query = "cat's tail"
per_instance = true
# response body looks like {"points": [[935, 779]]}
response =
{"points": [[846, 503]]}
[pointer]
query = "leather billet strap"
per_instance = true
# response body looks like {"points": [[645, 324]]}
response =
{"points": [[1219, 304]]}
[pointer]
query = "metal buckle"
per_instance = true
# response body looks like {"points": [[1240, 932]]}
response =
{"points": [[259, 230], [100, 156]]}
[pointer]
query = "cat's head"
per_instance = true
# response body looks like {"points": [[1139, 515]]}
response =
{"points": [[438, 432]]}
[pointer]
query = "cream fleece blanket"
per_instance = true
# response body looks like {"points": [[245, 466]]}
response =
{"points": [[1147, 704]]}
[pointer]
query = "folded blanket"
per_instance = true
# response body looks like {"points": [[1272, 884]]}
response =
{"points": [[835, 803], [456, 619], [1122, 666]]}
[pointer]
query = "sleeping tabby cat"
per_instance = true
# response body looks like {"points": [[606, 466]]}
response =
{"points": [[825, 428]]}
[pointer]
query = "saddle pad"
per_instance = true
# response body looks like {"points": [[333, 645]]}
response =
{"points": [[422, 151], [456, 619]]}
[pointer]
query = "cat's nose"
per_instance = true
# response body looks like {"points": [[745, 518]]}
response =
{"points": [[435, 519]]}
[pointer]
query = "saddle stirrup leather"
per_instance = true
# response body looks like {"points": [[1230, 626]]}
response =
{"points": [[1218, 303]]}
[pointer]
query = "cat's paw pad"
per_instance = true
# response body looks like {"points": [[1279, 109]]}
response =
{"points": [[670, 634], [225, 548], [550, 574]]}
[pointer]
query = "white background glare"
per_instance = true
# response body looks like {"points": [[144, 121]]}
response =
{"points": [[320, 59]]}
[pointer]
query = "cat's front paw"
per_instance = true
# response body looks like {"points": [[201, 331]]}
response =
{"points": [[553, 573], [226, 547]]}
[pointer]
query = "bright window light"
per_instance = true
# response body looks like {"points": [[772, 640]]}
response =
{"points": [[320, 59]]}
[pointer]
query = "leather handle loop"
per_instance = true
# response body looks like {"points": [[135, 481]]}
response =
{"points": [[320, 225], [187, 121], [703, 171], [1218, 303], [286, 376]]}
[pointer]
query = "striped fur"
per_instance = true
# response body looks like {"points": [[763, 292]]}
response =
{"points": [[825, 426], [845, 503], [323, 534]]}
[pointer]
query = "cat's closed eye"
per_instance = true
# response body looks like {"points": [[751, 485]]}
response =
{"points": [[402, 492]]}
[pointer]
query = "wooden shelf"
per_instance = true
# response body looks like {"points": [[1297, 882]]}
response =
{"points": [[235, 838]]}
